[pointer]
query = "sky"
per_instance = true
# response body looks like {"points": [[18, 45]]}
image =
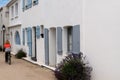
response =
{"points": [[3, 2]]}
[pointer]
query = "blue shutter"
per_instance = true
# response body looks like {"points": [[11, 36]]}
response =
{"points": [[23, 36], [46, 32], [38, 31], [59, 40], [23, 4], [76, 39], [29, 40], [17, 38], [29, 3]]}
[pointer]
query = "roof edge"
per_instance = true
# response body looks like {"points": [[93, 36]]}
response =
{"points": [[10, 3]]}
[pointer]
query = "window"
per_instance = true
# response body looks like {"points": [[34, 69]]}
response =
{"points": [[12, 11], [69, 39], [28, 4], [17, 38], [42, 31], [16, 9]]}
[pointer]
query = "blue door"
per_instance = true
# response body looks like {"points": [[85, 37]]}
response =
{"points": [[29, 40]]}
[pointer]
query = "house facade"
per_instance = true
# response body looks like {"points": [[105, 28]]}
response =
{"points": [[97, 27], [14, 27], [47, 39], [3, 24], [50, 30]]}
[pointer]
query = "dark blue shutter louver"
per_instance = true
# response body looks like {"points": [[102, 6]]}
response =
{"points": [[46, 40], [76, 39], [38, 31], [23, 36], [59, 40], [23, 4]]}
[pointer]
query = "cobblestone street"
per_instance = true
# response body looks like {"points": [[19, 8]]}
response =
{"points": [[23, 70]]}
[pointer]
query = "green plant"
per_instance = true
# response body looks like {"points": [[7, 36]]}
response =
{"points": [[20, 54], [73, 67]]}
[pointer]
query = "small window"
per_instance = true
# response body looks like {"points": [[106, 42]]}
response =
{"points": [[16, 9], [28, 4], [12, 11], [69, 39], [42, 31], [17, 38]]}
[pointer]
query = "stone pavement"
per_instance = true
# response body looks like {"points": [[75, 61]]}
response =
{"points": [[23, 70]]}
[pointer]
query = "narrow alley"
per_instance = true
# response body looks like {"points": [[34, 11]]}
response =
{"points": [[23, 70]]}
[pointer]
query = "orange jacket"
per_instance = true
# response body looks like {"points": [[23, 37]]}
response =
{"points": [[7, 45]]}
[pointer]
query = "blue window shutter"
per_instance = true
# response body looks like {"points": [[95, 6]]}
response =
{"points": [[29, 3], [46, 38], [23, 4], [38, 31], [17, 38], [29, 40], [59, 40], [23, 36], [76, 39]]}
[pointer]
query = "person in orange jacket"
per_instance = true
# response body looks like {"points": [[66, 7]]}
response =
{"points": [[7, 47]]}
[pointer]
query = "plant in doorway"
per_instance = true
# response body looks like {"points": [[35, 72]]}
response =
{"points": [[73, 67], [20, 54]]}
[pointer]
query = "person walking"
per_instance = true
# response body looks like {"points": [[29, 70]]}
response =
{"points": [[7, 47]]}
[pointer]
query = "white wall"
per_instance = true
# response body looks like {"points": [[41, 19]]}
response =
{"points": [[3, 21], [16, 19], [99, 31], [101, 41], [14, 46], [54, 13]]}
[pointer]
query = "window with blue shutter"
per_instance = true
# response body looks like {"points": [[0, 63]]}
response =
{"points": [[69, 39], [38, 31], [23, 5], [46, 38], [76, 39], [23, 36], [29, 4], [59, 40], [17, 38], [29, 40]]}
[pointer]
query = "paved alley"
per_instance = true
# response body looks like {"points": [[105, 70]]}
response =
{"points": [[23, 70]]}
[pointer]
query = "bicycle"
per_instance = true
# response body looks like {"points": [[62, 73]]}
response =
{"points": [[9, 58]]}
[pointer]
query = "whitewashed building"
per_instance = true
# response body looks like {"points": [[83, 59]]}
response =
{"points": [[3, 22], [14, 27], [47, 37], [52, 29]]}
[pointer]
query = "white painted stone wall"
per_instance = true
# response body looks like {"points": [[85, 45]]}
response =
{"points": [[101, 41], [15, 25], [3, 20], [99, 20], [16, 19]]}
